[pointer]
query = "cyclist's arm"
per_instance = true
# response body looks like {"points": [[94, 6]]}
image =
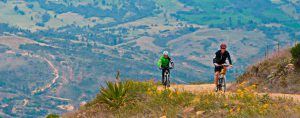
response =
{"points": [[159, 63], [172, 63], [215, 62], [215, 59], [229, 59]]}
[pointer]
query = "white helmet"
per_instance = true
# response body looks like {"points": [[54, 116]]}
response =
{"points": [[166, 53]]}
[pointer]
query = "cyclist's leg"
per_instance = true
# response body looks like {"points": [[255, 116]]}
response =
{"points": [[216, 80], [216, 77], [217, 72], [168, 81], [163, 76]]}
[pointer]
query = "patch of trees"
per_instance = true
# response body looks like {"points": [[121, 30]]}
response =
{"points": [[30, 6], [4, 1], [18, 10], [3, 48], [46, 17], [90, 10]]}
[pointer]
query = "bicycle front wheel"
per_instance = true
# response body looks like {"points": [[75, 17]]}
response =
{"points": [[219, 87], [166, 79], [224, 85]]}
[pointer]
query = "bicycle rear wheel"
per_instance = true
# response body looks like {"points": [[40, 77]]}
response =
{"points": [[219, 86], [224, 84], [166, 78]]}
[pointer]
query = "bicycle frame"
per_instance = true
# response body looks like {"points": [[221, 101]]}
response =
{"points": [[167, 77], [222, 79]]}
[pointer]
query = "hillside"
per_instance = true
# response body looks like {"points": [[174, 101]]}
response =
{"points": [[275, 74], [269, 88], [147, 99], [56, 53]]}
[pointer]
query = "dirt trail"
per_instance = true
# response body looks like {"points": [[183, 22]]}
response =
{"points": [[52, 66], [56, 76], [210, 87], [192, 88]]}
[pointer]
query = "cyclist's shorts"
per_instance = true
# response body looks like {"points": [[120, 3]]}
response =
{"points": [[218, 68]]}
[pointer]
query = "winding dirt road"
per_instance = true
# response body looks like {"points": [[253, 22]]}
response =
{"points": [[52, 66], [56, 76]]}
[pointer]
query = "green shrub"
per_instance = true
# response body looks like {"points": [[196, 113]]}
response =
{"points": [[296, 54], [115, 94], [52, 116]]}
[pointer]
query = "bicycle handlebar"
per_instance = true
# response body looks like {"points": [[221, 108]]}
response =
{"points": [[226, 65], [166, 68]]}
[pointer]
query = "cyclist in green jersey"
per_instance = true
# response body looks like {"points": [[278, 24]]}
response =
{"points": [[164, 64]]}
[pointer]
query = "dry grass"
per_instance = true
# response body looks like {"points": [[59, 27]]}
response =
{"points": [[273, 75], [151, 102], [145, 101], [246, 103]]}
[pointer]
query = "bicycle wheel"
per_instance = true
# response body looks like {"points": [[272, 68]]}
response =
{"points": [[224, 84], [168, 80], [165, 78], [220, 84], [216, 90]]}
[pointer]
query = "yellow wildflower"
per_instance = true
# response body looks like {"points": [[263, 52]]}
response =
{"points": [[159, 92], [177, 92], [231, 111], [241, 95], [212, 94], [149, 92], [265, 106], [170, 94], [242, 84], [154, 88], [225, 105]]}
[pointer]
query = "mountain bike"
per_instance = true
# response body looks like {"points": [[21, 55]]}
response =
{"points": [[166, 81], [221, 86]]}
